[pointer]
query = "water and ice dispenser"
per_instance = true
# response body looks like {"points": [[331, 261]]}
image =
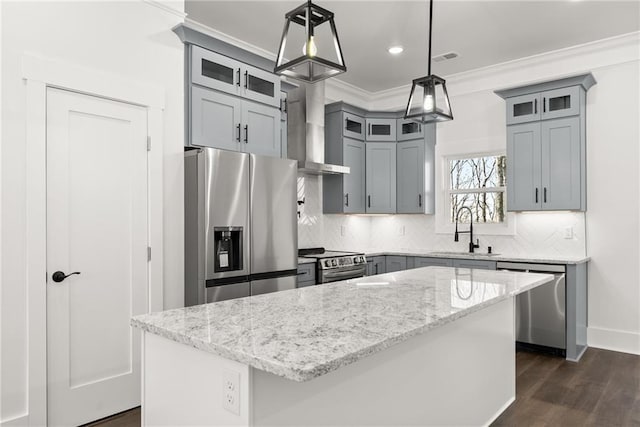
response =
{"points": [[228, 249]]}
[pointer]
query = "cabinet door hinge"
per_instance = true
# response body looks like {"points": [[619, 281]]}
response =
{"points": [[148, 143], [148, 253]]}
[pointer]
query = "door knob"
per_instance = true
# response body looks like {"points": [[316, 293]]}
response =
{"points": [[59, 276]]}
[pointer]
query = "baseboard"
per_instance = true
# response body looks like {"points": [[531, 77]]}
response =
{"points": [[615, 340], [500, 411], [22, 420]]}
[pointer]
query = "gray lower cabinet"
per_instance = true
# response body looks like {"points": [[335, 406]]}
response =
{"points": [[376, 265], [395, 263], [432, 262], [306, 275], [345, 193], [474, 263], [231, 123], [381, 177]]}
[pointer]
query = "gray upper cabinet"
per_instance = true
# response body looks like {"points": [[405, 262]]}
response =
{"points": [[215, 71], [219, 72], [386, 176], [215, 119], [524, 171], [546, 157], [561, 164], [343, 193], [410, 184], [353, 126], [381, 129], [354, 183], [260, 86], [560, 102], [524, 108], [260, 129], [381, 177], [408, 129]]}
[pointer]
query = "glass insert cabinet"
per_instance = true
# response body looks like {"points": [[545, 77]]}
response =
{"points": [[543, 105]]}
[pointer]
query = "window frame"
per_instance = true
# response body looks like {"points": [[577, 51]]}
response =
{"points": [[443, 214]]}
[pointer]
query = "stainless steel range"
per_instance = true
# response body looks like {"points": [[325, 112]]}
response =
{"points": [[332, 266]]}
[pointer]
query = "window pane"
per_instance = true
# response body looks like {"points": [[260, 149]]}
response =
{"points": [[478, 172], [486, 207]]}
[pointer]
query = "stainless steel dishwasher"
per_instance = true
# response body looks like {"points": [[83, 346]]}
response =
{"points": [[541, 312]]}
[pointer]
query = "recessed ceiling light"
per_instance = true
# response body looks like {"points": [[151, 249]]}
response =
{"points": [[394, 50]]}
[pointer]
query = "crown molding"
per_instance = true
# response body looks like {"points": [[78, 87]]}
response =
{"points": [[166, 8], [205, 29]]}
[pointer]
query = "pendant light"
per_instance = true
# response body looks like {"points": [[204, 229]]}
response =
{"points": [[428, 100], [310, 67]]}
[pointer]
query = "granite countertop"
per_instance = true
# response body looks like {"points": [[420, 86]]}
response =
{"points": [[335, 324], [484, 256]]}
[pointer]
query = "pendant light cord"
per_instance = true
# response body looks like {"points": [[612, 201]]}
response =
{"points": [[430, 33]]}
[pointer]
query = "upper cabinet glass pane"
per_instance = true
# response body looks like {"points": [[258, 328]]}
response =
{"points": [[353, 126], [256, 84], [410, 127], [380, 129], [560, 103], [523, 109], [217, 71]]}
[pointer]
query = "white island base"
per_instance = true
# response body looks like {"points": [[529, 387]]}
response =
{"points": [[460, 373]]}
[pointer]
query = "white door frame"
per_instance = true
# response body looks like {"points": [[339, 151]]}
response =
{"points": [[38, 74]]}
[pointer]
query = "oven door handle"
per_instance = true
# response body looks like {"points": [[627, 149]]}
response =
{"points": [[351, 273]]}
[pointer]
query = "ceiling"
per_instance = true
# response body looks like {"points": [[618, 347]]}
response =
{"points": [[483, 33]]}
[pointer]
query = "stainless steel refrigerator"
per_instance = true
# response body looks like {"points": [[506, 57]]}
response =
{"points": [[241, 233]]}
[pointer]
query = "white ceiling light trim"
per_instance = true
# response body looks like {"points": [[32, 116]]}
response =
{"points": [[395, 50]]}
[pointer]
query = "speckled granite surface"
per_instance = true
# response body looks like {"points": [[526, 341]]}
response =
{"points": [[304, 333], [484, 256]]}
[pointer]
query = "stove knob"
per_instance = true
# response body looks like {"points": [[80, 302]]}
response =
{"points": [[334, 263], [327, 263]]}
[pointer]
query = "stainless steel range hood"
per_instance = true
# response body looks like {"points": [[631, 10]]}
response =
{"points": [[305, 115]]}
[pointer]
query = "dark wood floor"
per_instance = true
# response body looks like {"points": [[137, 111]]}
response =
{"points": [[602, 390]]}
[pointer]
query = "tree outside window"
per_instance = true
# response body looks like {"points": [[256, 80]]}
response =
{"points": [[479, 184]]}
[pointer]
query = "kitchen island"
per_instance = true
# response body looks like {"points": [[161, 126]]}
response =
{"points": [[429, 346]]}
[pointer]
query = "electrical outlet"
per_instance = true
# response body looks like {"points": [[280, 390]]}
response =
{"points": [[231, 391], [401, 230], [568, 232], [343, 230]]}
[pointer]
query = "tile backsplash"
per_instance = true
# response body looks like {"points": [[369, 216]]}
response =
{"points": [[537, 234]]}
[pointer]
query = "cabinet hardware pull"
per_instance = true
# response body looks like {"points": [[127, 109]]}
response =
{"points": [[347, 199], [246, 134], [238, 83], [535, 106], [545, 195], [246, 78], [376, 266], [544, 105], [420, 200], [238, 138], [536, 194], [369, 128], [285, 106], [419, 128], [369, 200]]}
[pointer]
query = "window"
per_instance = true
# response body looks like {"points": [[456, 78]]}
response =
{"points": [[477, 183]]}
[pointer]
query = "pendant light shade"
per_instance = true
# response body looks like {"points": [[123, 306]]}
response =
{"points": [[429, 100], [311, 66]]}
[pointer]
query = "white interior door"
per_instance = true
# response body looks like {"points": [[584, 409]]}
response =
{"points": [[96, 225]]}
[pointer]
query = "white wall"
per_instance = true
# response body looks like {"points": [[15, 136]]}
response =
{"points": [[608, 232], [131, 39]]}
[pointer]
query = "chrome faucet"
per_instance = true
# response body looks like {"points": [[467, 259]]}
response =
{"points": [[472, 245]]}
